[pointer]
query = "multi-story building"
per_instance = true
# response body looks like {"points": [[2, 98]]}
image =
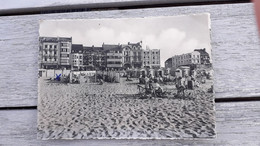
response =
{"points": [[65, 50], [124, 56], [151, 58], [59, 53], [114, 56], [54, 52], [204, 56], [94, 58], [133, 55], [187, 59], [76, 57]]}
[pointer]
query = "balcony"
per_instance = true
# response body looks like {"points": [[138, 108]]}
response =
{"points": [[113, 59], [114, 65]]}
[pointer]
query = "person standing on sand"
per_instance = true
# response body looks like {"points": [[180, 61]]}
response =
{"points": [[146, 82], [180, 85], [189, 83]]}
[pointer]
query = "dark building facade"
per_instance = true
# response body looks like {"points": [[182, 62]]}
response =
{"points": [[114, 56], [94, 58], [76, 57], [204, 56]]}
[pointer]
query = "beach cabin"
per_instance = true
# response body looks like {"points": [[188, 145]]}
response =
{"points": [[168, 71], [143, 72], [151, 72], [182, 71], [178, 73], [136, 73], [42, 73], [160, 72]]}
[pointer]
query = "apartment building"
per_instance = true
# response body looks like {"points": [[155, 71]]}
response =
{"points": [[151, 58], [204, 56], [59, 53], [133, 54], [187, 59], [54, 52], [76, 57], [114, 56], [94, 58]]}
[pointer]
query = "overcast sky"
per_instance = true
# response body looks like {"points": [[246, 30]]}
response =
{"points": [[173, 35]]}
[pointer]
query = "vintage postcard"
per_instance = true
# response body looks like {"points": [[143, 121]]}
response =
{"points": [[126, 78]]}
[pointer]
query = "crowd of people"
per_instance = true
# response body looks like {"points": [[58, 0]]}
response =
{"points": [[187, 81]]}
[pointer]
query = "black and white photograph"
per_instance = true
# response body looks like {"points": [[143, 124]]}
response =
{"points": [[126, 78]]}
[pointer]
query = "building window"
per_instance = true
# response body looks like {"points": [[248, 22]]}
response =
{"points": [[45, 58], [64, 44], [68, 55], [50, 46], [54, 52], [46, 46]]}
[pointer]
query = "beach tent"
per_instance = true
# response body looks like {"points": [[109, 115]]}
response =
{"points": [[143, 72], [160, 72], [185, 71], [178, 73], [151, 72], [42, 73]]}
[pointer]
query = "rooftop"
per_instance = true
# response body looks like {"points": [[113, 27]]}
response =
{"points": [[55, 39], [77, 47]]}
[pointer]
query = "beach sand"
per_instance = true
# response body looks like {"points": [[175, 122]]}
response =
{"points": [[112, 110]]}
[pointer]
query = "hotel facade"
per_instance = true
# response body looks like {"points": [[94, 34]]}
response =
{"points": [[59, 53], [54, 52], [197, 57]]}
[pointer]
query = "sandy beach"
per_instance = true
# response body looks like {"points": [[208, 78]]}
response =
{"points": [[113, 110]]}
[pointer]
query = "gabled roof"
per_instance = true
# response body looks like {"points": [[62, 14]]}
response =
{"points": [[202, 51], [136, 44]]}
